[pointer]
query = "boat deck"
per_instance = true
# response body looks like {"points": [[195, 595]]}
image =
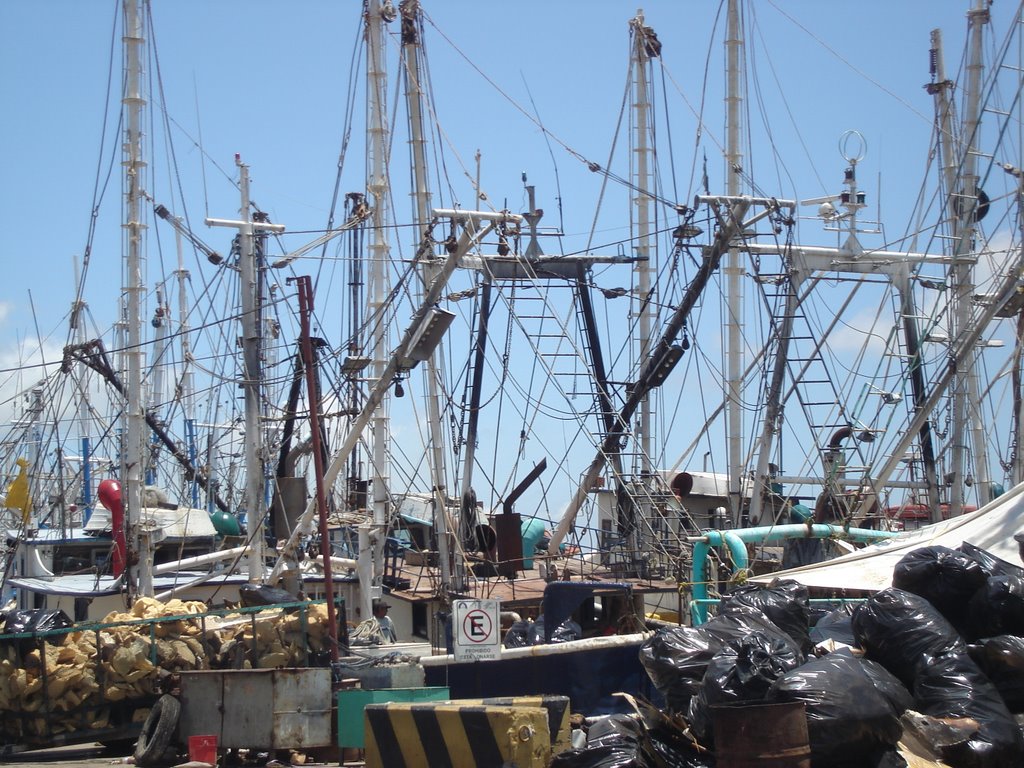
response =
{"points": [[421, 582]]}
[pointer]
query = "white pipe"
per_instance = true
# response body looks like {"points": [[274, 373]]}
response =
{"points": [[188, 562], [249, 226], [461, 215], [554, 649]]}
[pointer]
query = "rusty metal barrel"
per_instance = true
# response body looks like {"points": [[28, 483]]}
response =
{"points": [[761, 735]]}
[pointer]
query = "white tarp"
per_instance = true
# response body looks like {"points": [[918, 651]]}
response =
{"points": [[992, 528]]}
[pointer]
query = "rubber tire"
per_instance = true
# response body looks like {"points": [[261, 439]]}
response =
{"points": [[157, 733]]}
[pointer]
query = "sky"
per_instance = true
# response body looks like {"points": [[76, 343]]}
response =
{"points": [[268, 81]]}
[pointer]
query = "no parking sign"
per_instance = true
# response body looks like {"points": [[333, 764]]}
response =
{"points": [[476, 627]]}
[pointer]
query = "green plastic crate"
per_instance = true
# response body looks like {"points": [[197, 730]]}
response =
{"points": [[351, 703]]}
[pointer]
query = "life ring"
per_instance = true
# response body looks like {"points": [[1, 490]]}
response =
{"points": [[157, 733]]}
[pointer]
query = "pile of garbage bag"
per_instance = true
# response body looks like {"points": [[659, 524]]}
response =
{"points": [[529, 632], [937, 660]]}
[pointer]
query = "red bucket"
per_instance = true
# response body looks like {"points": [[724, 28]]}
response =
{"points": [[202, 749]]}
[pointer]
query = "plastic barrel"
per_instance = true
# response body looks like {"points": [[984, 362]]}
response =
{"points": [[761, 735], [532, 531]]}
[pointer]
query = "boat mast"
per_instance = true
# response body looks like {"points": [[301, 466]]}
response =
{"points": [[30, 517], [1017, 374], [733, 262], [962, 191], [156, 393], [134, 449], [252, 370], [643, 268], [78, 331], [186, 384], [371, 538], [305, 286], [251, 381], [978, 18], [467, 498], [410, 10]]}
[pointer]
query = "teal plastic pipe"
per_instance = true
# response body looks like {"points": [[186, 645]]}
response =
{"points": [[736, 541]]}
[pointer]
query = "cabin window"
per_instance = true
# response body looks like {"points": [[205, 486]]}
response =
{"points": [[174, 552], [69, 560]]}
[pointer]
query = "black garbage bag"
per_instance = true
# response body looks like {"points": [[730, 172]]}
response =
{"points": [[670, 749], [518, 635], [784, 601], [36, 620], [901, 630], [564, 632], [994, 566], [622, 741], [890, 759], [615, 729], [252, 595], [1002, 660], [742, 671], [835, 625], [33, 621], [613, 742], [944, 577], [524, 633], [738, 621], [54, 618], [997, 608], [887, 684], [816, 613], [849, 723], [952, 685], [676, 658], [600, 757]]}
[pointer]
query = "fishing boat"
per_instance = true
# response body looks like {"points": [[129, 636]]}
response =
{"points": [[634, 389]]}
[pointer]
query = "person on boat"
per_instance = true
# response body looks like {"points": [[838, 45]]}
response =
{"points": [[1019, 538], [387, 626]]}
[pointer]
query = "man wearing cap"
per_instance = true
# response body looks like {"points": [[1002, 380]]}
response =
{"points": [[387, 626]]}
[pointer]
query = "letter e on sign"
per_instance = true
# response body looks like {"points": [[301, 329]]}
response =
{"points": [[476, 629]]}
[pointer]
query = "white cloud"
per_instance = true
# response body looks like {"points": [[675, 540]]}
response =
{"points": [[22, 366]]}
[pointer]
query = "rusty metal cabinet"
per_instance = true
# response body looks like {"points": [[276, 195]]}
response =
{"points": [[258, 708]]}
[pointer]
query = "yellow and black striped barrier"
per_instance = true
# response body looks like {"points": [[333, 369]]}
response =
{"points": [[558, 715], [432, 735]]}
